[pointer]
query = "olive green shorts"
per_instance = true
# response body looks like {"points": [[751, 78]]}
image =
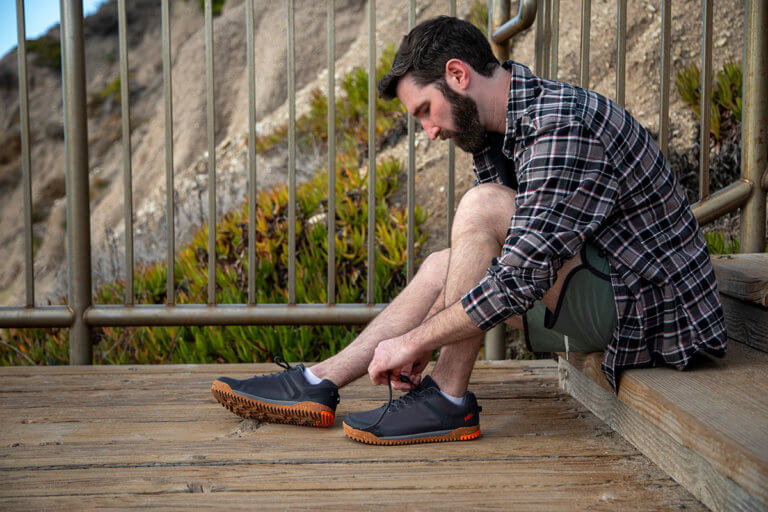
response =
{"points": [[585, 316]]}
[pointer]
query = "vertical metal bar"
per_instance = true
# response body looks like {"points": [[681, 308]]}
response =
{"points": [[497, 16], [586, 8], [26, 169], [251, 70], [537, 39], [125, 113], [754, 150], [706, 97], [666, 60], [411, 188], [555, 39], [490, 20], [451, 162], [547, 37], [371, 149], [494, 338], [331, 152], [78, 206], [291, 157], [621, 50], [211, 129], [165, 16]]}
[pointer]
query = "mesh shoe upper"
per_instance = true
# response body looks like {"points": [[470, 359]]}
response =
{"points": [[422, 410], [286, 387]]}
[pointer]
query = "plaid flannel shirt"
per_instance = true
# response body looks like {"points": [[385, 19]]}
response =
{"points": [[587, 170]]}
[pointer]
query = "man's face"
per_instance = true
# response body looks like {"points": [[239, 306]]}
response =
{"points": [[443, 113]]}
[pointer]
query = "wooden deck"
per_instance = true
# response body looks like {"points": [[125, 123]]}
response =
{"points": [[152, 436]]}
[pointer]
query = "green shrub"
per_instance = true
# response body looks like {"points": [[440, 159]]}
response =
{"points": [[189, 344], [351, 113], [216, 6], [478, 15], [726, 93], [47, 50], [716, 243], [111, 90]]}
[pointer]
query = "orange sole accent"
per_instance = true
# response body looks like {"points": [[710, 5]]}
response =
{"points": [[460, 434], [309, 414]]}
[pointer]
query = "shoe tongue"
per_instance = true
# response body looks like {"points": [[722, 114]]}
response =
{"points": [[427, 382]]}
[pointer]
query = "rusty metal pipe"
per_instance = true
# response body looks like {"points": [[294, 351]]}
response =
{"points": [[526, 15], [723, 201], [232, 314]]}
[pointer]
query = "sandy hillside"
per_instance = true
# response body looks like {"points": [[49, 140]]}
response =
{"points": [[231, 119]]}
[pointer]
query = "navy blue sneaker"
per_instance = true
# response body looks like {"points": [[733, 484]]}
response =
{"points": [[423, 415], [284, 397]]}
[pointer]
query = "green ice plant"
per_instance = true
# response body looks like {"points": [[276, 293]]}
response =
{"points": [[190, 344]]}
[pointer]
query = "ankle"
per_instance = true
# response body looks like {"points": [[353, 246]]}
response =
{"points": [[449, 386]]}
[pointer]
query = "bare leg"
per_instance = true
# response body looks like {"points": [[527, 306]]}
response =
{"points": [[478, 235], [479, 229], [422, 297]]}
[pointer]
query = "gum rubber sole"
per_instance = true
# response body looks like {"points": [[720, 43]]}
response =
{"points": [[460, 434], [310, 414]]}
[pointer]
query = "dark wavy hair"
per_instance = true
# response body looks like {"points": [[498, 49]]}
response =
{"points": [[432, 43]]}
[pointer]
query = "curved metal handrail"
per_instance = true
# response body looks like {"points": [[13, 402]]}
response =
{"points": [[526, 15]]}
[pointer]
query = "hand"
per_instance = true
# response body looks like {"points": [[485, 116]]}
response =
{"points": [[393, 357], [410, 375]]}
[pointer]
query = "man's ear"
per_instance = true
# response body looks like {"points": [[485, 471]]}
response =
{"points": [[457, 74]]}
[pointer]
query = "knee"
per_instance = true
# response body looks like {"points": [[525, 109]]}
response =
{"points": [[485, 208], [434, 268]]}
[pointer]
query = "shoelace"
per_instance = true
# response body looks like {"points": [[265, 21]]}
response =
{"points": [[414, 392], [282, 363]]}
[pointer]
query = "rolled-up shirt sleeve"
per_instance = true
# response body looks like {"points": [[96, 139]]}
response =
{"points": [[567, 188]]}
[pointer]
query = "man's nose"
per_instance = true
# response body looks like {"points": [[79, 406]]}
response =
{"points": [[431, 129]]}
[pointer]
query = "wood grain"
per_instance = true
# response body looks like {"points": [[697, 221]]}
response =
{"points": [[718, 410], [746, 322], [743, 276], [123, 437]]}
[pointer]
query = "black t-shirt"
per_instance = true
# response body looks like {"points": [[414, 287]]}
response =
{"points": [[504, 166]]}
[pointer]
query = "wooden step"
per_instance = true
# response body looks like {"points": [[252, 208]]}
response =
{"points": [[706, 427], [742, 280]]}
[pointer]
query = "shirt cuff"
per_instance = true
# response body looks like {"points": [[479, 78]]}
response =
{"points": [[485, 306]]}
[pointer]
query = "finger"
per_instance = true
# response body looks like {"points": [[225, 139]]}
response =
{"points": [[401, 386]]}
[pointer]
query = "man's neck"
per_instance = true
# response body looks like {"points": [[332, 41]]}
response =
{"points": [[492, 101]]}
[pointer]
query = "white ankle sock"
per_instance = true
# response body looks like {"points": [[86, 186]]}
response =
{"points": [[311, 377], [453, 399]]}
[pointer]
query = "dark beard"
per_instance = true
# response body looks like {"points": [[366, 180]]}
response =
{"points": [[470, 134]]}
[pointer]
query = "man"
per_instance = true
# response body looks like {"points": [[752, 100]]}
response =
{"points": [[576, 232]]}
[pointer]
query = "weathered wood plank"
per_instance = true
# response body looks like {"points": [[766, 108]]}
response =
{"points": [[743, 276], [746, 322], [570, 483], [245, 369], [546, 421], [609, 498], [143, 437], [670, 446]]}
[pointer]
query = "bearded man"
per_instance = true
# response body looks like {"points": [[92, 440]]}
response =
{"points": [[576, 233]]}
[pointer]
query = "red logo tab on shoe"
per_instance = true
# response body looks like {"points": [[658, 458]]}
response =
{"points": [[466, 418]]}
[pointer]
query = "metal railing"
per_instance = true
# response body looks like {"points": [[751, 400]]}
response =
{"points": [[80, 315]]}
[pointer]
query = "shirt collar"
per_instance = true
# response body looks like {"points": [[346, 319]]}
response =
{"points": [[524, 87]]}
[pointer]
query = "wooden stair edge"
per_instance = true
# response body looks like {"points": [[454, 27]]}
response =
{"points": [[681, 463], [743, 276], [745, 322], [651, 395]]}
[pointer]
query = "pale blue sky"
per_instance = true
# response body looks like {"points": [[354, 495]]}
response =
{"points": [[40, 15]]}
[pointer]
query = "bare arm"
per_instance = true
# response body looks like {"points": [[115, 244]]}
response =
{"points": [[451, 325]]}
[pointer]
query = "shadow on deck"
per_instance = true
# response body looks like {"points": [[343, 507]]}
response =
{"points": [[152, 436]]}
